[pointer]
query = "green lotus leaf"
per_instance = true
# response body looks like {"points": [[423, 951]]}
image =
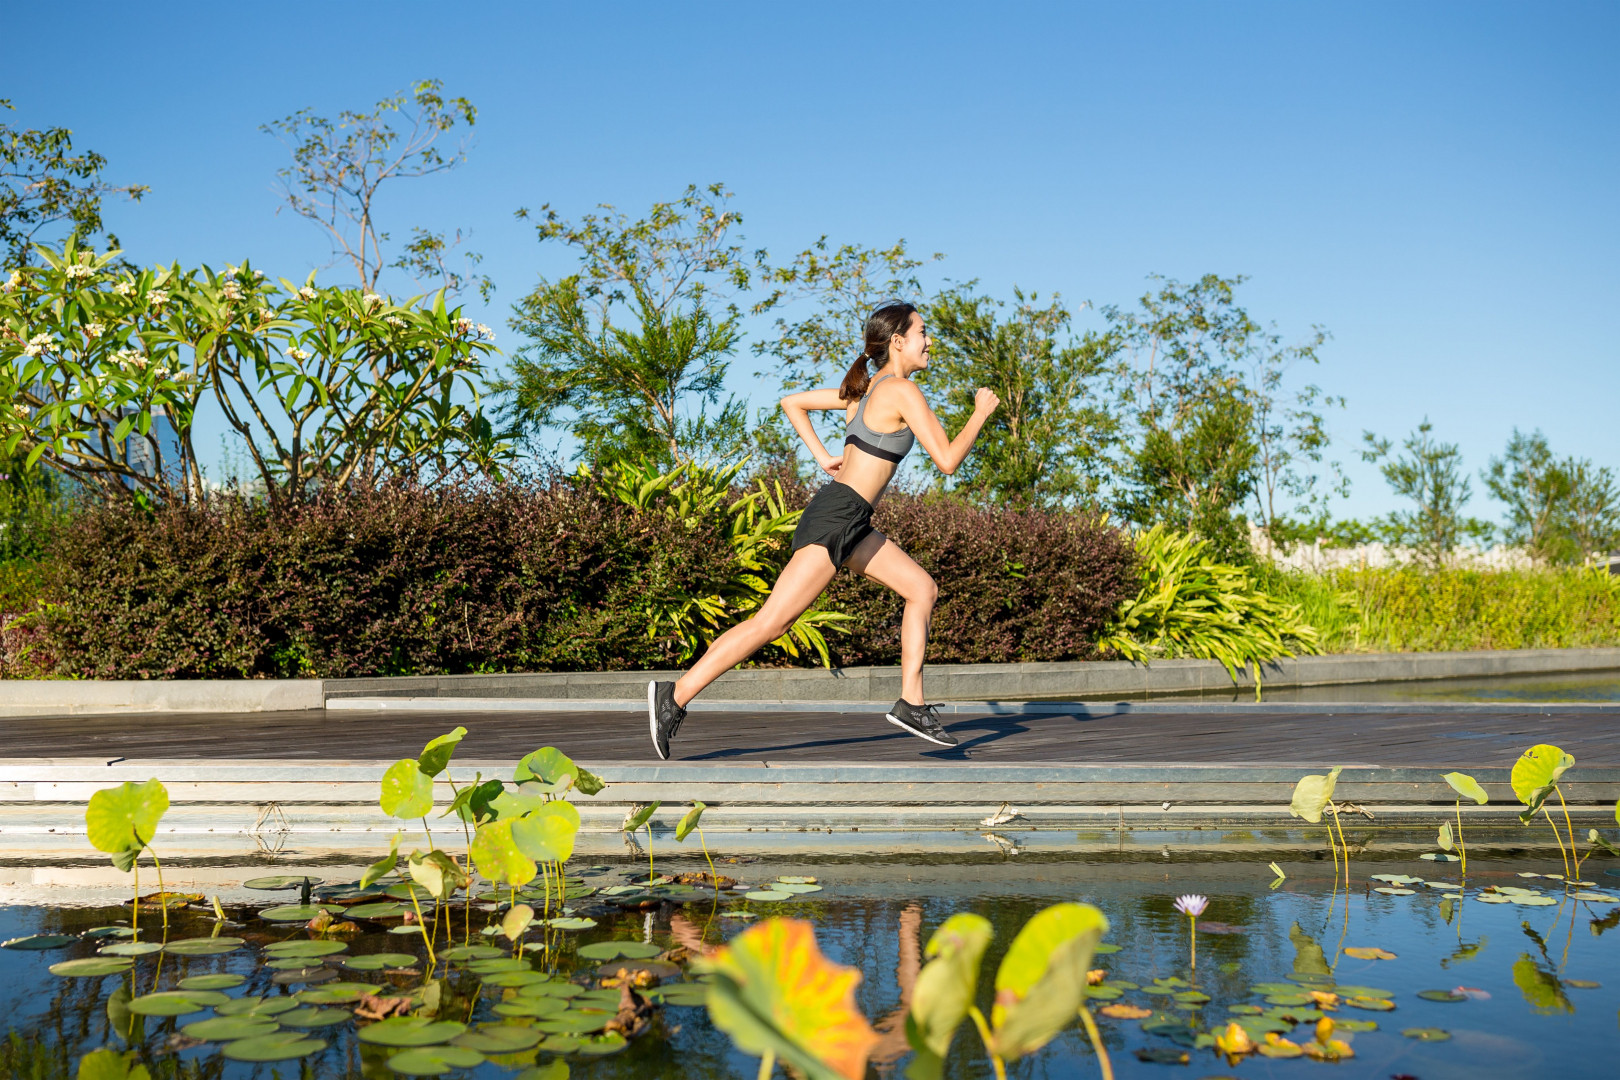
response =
{"points": [[385, 865], [497, 1039], [125, 818], [767, 894], [172, 1003], [547, 832], [437, 872], [531, 1007], [256, 1006], [407, 791], [1442, 995], [313, 1017], [682, 994], [387, 909], [515, 978], [549, 766], [405, 890], [411, 1031], [1466, 786], [130, 948], [472, 952], [505, 963], [1428, 1034], [559, 1044], [574, 1022], [338, 993], [689, 821], [498, 856], [1541, 766], [794, 888], [108, 1064], [91, 967], [474, 803], [1312, 794], [614, 950], [304, 947], [39, 941], [218, 1028], [379, 961], [222, 981], [639, 818], [280, 1046], [945, 989], [562, 990], [434, 1060], [435, 756], [200, 947], [1443, 840], [297, 912], [570, 923], [280, 882], [601, 1045], [1041, 982]]}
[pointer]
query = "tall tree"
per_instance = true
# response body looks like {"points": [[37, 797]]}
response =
{"points": [[1290, 434], [340, 166], [49, 192], [628, 353], [1430, 474], [1046, 443], [1560, 509]]}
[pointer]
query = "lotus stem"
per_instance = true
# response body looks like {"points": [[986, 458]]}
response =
{"points": [[1096, 1043], [422, 929], [427, 830], [984, 1037], [1192, 927], [1462, 852], [163, 896], [1558, 837], [1570, 829], [1340, 826], [650, 873], [714, 877], [767, 1065], [135, 908]]}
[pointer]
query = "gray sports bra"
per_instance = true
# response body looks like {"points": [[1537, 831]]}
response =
{"points": [[888, 445]]}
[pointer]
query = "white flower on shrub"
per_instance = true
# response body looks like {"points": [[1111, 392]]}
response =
{"points": [[37, 344], [78, 270], [13, 281], [157, 298], [160, 372], [232, 291], [466, 327], [94, 330], [371, 299], [124, 288], [394, 320], [20, 410], [299, 354], [130, 358], [485, 332], [306, 293]]}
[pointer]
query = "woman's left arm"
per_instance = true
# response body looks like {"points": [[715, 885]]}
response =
{"points": [[798, 406]]}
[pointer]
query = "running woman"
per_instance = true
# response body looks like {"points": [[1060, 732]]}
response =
{"points": [[886, 414]]}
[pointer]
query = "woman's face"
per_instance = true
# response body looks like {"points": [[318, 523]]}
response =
{"points": [[910, 351]]}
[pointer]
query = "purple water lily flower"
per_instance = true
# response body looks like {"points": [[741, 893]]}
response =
{"points": [[1191, 905]]}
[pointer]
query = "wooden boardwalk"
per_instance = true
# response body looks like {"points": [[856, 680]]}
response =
{"points": [[1391, 736]]}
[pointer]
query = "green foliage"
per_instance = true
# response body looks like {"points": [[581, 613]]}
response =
{"points": [[339, 166], [45, 187], [1560, 509], [1041, 983], [1312, 794], [753, 524], [1190, 605], [107, 369], [125, 818], [1429, 474], [407, 791], [627, 353], [945, 990], [1466, 787], [1046, 443]]}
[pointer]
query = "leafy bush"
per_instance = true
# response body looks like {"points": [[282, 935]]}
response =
{"points": [[1411, 609], [1194, 606], [545, 575]]}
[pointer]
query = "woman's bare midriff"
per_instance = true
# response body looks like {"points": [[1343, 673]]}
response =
{"points": [[868, 475]]}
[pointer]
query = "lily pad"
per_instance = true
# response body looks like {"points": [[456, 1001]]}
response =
{"points": [[202, 947], [601, 1045], [297, 948], [1369, 1004], [338, 993], [380, 910], [1434, 856], [1369, 952], [574, 1022], [299, 975], [791, 887], [495, 964], [1594, 897], [109, 931], [1427, 1034], [1162, 1055], [767, 894], [1104, 993], [1493, 898], [175, 1002], [313, 1017], [296, 913], [472, 952], [131, 948], [227, 1028], [613, 950], [222, 981], [1442, 995], [1397, 879], [559, 1044], [1289, 999], [1442, 885], [411, 1031], [1364, 991], [515, 978], [498, 1039], [688, 994], [378, 961], [531, 1007], [1354, 1025], [569, 923], [279, 882], [1532, 901], [1192, 997], [39, 941], [91, 967], [404, 890], [256, 1006], [563, 990], [1390, 890], [281, 1046], [434, 1060], [1582, 984]]}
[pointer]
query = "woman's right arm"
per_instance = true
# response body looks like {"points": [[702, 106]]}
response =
{"points": [[798, 406], [948, 453]]}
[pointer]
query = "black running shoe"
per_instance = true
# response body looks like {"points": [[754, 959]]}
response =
{"points": [[663, 715], [921, 721]]}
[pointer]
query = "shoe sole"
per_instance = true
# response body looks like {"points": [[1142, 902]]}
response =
{"points": [[899, 723], [652, 718]]}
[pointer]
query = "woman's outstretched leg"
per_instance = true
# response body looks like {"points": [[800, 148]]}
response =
{"points": [[803, 579], [881, 559]]}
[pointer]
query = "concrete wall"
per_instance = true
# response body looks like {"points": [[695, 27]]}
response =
{"points": [[974, 682]]}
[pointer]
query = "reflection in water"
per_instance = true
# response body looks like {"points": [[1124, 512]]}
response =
{"points": [[1265, 951]]}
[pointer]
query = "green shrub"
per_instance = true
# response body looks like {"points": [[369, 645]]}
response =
{"points": [[1191, 605]]}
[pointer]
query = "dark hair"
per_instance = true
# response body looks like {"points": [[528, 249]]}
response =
{"points": [[887, 319]]}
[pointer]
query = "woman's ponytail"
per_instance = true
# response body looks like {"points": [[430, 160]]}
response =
{"points": [[888, 319]]}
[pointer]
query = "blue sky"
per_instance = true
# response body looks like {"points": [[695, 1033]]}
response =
{"points": [[1435, 184]]}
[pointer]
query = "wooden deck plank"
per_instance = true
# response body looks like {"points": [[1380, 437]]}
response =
{"points": [[1401, 735]]}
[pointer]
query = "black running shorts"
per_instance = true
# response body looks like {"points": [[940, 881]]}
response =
{"points": [[838, 519]]}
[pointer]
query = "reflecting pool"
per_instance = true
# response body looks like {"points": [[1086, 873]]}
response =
{"points": [[1506, 976]]}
